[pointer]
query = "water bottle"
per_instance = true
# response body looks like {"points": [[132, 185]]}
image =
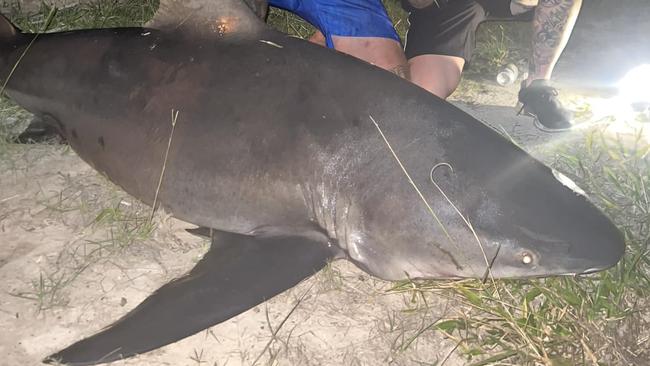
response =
{"points": [[508, 75]]}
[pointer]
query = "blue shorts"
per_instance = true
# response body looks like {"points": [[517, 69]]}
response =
{"points": [[346, 18]]}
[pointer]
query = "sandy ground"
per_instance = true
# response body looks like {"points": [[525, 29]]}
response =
{"points": [[64, 274]]}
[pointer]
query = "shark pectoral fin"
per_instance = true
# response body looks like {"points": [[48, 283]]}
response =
{"points": [[237, 273], [209, 17]]}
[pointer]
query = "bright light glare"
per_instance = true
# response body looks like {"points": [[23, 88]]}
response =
{"points": [[567, 182], [635, 86]]}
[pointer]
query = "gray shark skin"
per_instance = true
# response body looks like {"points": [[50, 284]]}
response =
{"points": [[278, 149]]}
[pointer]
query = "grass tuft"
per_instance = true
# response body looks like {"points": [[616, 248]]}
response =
{"points": [[126, 226], [498, 44], [289, 23], [94, 14]]}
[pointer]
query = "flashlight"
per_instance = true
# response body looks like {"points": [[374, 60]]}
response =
{"points": [[634, 88]]}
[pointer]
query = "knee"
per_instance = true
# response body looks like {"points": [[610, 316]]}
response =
{"points": [[443, 86], [438, 74]]}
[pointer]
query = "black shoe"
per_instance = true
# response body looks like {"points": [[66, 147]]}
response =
{"points": [[540, 101]]}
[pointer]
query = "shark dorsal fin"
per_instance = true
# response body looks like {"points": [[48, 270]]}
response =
{"points": [[210, 17]]}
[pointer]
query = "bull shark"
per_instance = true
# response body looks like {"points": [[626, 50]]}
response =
{"points": [[293, 156]]}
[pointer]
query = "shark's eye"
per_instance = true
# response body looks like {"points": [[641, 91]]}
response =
{"points": [[526, 258]]}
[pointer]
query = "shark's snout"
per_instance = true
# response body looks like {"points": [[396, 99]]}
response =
{"points": [[547, 226], [597, 244], [601, 248]]}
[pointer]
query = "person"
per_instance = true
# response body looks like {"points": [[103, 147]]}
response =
{"points": [[360, 28], [440, 42], [441, 39]]}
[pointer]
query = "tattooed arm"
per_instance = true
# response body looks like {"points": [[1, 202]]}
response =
{"points": [[552, 26]]}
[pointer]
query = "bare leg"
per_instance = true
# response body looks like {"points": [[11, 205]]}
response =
{"points": [[439, 74], [318, 38], [552, 26], [383, 52]]}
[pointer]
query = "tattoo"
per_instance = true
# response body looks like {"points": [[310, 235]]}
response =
{"points": [[402, 71], [552, 26]]}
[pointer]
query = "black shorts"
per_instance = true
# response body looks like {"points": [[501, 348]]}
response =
{"points": [[449, 27]]}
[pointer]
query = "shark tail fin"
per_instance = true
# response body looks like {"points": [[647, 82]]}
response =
{"points": [[210, 18]]}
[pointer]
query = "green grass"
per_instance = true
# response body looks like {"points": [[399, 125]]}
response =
{"points": [[498, 44], [398, 16], [97, 14], [127, 224], [47, 291], [289, 23]]}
